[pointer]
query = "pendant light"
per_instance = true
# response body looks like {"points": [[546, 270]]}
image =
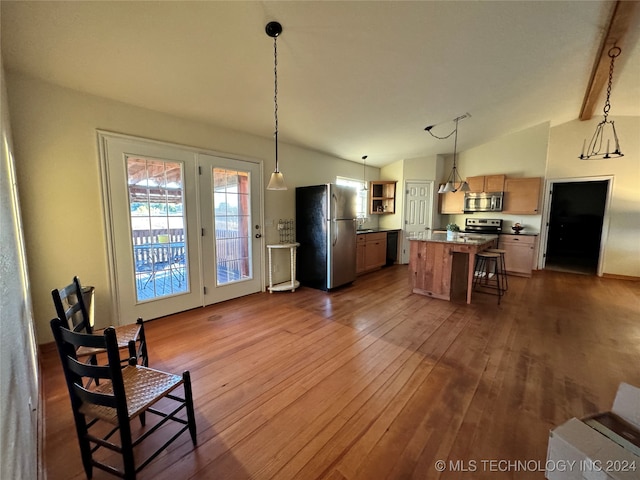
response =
{"points": [[454, 181], [274, 29], [364, 173], [605, 130]]}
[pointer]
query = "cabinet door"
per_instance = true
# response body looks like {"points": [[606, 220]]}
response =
{"points": [[519, 253], [486, 183], [494, 183], [361, 251], [375, 250], [522, 195], [452, 202], [476, 184]]}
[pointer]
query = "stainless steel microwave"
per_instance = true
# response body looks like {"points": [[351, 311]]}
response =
{"points": [[483, 202]]}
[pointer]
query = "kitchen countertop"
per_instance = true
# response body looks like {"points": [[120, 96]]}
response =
{"points": [[377, 230], [467, 238]]}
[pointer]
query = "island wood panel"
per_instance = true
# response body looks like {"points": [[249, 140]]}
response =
{"points": [[430, 265], [372, 382], [444, 270]]}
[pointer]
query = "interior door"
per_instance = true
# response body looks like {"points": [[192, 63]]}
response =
{"points": [[230, 199], [418, 212], [151, 207]]}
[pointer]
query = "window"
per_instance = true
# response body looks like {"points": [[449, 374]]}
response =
{"points": [[358, 186]]}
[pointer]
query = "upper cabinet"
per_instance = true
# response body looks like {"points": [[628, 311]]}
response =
{"points": [[382, 197], [522, 195], [451, 203], [487, 183]]}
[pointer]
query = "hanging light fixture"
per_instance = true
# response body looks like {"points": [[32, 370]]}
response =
{"points": [[364, 173], [274, 29], [605, 130], [454, 181]]}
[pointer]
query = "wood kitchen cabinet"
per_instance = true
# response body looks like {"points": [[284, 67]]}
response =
{"points": [[522, 195], [520, 253], [382, 197], [451, 203], [486, 183], [371, 251]]}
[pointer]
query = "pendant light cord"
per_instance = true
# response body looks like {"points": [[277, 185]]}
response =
{"points": [[275, 95]]}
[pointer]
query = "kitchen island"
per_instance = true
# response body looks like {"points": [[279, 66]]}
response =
{"points": [[442, 268]]}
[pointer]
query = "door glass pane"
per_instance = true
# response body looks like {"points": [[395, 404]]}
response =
{"points": [[232, 221], [156, 206]]}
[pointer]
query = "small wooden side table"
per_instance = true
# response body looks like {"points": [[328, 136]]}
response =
{"points": [[292, 284]]}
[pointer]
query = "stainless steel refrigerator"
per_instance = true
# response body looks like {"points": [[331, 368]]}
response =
{"points": [[326, 231]]}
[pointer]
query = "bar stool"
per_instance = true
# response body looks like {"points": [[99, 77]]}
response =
{"points": [[505, 285], [489, 274]]}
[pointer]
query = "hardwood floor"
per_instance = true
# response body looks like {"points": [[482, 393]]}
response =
{"points": [[373, 382]]}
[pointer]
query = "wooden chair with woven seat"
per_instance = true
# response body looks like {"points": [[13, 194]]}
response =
{"points": [[122, 395], [70, 305]]}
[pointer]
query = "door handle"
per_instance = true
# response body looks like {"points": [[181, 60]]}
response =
{"points": [[258, 235]]}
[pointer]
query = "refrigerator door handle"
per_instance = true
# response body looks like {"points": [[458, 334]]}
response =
{"points": [[334, 230], [333, 208]]}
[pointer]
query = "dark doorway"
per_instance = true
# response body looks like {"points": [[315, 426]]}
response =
{"points": [[575, 226]]}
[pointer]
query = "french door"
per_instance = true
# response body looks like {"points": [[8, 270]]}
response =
{"points": [[183, 226], [231, 231]]}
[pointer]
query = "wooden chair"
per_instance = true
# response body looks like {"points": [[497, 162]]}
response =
{"points": [[122, 395], [70, 305]]}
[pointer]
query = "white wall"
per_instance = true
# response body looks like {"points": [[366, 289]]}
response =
{"points": [[19, 370], [622, 251], [58, 173]]}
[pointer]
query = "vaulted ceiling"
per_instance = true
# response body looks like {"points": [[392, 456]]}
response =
{"points": [[355, 78]]}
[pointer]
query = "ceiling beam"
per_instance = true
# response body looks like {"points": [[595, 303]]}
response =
{"points": [[621, 19]]}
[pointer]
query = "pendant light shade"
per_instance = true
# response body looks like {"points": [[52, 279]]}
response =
{"points": [[276, 182], [364, 173], [274, 29]]}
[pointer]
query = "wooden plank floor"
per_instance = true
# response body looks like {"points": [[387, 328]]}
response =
{"points": [[373, 382]]}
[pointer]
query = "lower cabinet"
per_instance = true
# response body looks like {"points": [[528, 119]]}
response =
{"points": [[520, 253], [371, 251]]}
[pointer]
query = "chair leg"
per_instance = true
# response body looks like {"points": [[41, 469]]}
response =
{"points": [[478, 271], [188, 397], [85, 447], [127, 450]]}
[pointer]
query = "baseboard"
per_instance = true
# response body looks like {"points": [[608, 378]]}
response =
{"points": [[621, 277]]}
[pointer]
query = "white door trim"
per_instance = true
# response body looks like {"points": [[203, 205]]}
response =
{"points": [[102, 137], [544, 231]]}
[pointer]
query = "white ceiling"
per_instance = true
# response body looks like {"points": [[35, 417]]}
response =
{"points": [[355, 78]]}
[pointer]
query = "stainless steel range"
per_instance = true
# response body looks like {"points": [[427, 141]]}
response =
{"points": [[489, 226]]}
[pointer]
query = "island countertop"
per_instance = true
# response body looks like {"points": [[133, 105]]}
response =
{"points": [[462, 238]]}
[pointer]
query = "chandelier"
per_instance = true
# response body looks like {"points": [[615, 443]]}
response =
{"points": [[605, 130], [454, 181]]}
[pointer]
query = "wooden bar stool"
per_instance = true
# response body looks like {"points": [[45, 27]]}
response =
{"points": [[489, 274], [505, 277]]}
